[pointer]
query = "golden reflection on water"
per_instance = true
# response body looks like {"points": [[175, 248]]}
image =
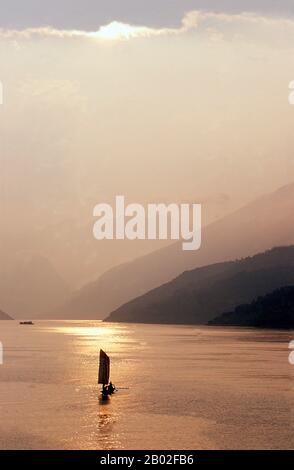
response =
{"points": [[93, 331], [100, 418], [91, 336], [96, 331]]}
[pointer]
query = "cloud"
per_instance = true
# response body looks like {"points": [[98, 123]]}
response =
{"points": [[112, 31], [215, 24]]}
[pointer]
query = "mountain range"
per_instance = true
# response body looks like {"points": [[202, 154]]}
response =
{"points": [[202, 294], [262, 224]]}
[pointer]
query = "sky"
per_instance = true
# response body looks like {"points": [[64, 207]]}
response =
{"points": [[166, 101], [89, 15]]}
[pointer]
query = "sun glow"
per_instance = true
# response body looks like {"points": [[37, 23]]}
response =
{"points": [[119, 31]]}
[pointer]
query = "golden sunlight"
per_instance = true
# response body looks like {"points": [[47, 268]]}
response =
{"points": [[120, 31]]}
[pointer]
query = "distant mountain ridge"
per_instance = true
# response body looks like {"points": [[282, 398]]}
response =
{"points": [[274, 310], [199, 295], [266, 222]]}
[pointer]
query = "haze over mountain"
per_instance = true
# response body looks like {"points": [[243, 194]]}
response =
{"points": [[262, 224], [202, 294], [172, 104], [30, 286], [274, 310], [4, 316]]}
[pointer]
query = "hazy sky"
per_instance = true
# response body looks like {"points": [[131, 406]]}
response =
{"points": [[91, 14], [167, 104]]}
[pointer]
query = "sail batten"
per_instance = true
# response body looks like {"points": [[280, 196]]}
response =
{"points": [[104, 368]]}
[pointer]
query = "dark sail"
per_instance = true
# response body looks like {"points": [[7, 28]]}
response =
{"points": [[104, 368]]}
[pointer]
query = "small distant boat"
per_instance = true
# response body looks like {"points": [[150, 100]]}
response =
{"points": [[103, 375], [26, 323]]}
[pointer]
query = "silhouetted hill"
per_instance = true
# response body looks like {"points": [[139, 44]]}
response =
{"points": [[200, 295], [4, 316], [264, 223], [274, 310]]}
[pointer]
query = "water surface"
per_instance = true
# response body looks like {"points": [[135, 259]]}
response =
{"points": [[180, 387]]}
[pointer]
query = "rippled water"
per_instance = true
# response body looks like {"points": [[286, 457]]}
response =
{"points": [[181, 387]]}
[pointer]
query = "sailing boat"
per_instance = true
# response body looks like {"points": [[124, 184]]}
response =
{"points": [[103, 374]]}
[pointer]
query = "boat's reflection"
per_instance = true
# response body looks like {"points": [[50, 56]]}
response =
{"points": [[104, 399], [106, 421]]}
